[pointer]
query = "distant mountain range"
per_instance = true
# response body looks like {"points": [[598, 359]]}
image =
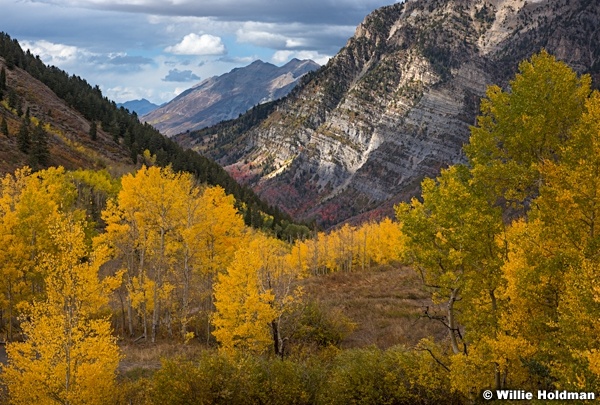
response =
{"points": [[140, 107], [227, 96], [395, 104]]}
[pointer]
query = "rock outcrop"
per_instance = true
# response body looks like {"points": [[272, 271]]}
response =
{"points": [[395, 104]]}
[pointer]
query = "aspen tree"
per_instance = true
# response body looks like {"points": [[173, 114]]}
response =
{"points": [[243, 312], [520, 128], [68, 355]]}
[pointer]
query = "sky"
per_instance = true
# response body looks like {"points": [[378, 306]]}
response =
{"points": [[156, 49]]}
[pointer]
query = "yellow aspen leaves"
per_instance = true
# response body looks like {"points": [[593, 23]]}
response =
{"points": [[69, 355], [243, 311]]}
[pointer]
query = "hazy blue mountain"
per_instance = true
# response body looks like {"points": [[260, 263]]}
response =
{"points": [[140, 107]]}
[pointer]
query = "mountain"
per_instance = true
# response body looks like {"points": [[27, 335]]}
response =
{"points": [[227, 96], [47, 118], [140, 107], [395, 104], [67, 131]]}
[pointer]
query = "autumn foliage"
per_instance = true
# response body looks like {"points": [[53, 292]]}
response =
{"points": [[509, 243], [506, 246]]}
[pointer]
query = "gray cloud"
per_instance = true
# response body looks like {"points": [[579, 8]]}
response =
{"points": [[123, 47], [129, 60], [340, 12], [176, 75]]}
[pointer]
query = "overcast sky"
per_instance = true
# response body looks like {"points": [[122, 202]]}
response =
{"points": [[155, 49]]}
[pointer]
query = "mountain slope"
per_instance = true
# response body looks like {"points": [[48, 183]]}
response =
{"points": [[225, 97], [69, 142], [395, 104], [68, 107]]}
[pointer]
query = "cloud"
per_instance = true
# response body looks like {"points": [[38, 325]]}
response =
{"points": [[284, 56], [129, 60], [176, 75], [133, 49], [294, 36], [238, 59], [193, 44], [267, 39], [51, 53], [309, 11]]}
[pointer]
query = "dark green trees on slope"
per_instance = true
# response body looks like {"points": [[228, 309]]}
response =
{"points": [[125, 127]]}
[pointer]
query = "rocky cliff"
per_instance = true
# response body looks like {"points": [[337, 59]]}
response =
{"points": [[227, 96], [395, 104]]}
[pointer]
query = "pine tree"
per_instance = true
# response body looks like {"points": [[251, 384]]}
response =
{"points": [[13, 99], [4, 127], [93, 131], [39, 147], [2, 79], [23, 137], [2, 82]]}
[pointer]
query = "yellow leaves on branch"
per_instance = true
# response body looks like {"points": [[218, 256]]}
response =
{"points": [[243, 311], [69, 355], [513, 240]]}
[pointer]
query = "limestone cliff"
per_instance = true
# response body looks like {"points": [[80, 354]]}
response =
{"points": [[395, 104]]}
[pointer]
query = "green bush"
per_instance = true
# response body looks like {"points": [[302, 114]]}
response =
{"points": [[216, 379], [321, 327], [394, 376]]}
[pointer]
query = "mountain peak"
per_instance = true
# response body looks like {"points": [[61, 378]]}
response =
{"points": [[227, 96], [395, 104], [140, 107]]}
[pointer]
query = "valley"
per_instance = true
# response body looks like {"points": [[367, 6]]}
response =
{"points": [[413, 222]]}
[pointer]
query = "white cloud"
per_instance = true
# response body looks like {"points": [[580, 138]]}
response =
{"points": [[53, 54], [249, 35], [245, 60], [194, 44], [123, 94], [284, 56], [274, 36]]}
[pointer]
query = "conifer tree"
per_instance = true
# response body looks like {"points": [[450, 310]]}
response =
{"points": [[13, 99], [2, 78], [2, 82], [93, 131], [4, 127], [39, 147], [23, 137]]}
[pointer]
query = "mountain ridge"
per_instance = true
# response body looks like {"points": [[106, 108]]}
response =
{"points": [[220, 98], [395, 104], [50, 118], [140, 106]]}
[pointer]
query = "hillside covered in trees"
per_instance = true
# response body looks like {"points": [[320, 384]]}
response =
{"points": [[49, 118], [506, 249]]}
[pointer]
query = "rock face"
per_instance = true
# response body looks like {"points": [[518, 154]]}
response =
{"points": [[227, 96], [395, 104]]}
